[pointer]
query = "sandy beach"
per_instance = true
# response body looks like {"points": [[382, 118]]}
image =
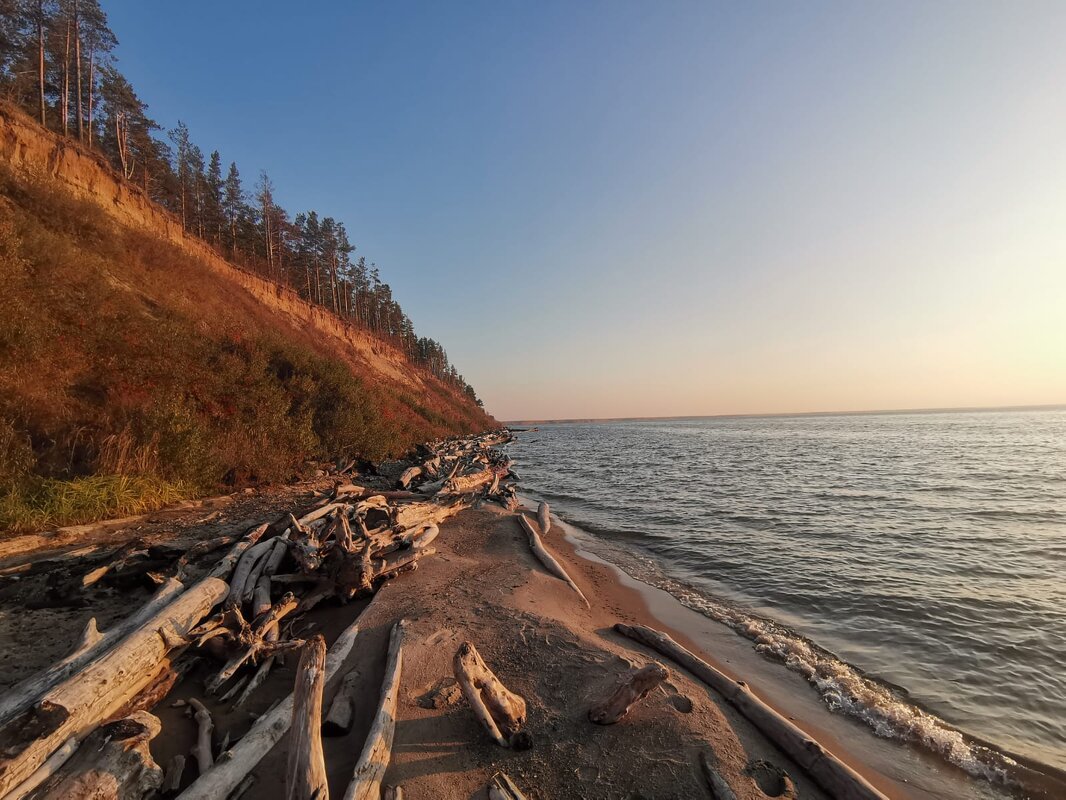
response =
{"points": [[484, 586]]}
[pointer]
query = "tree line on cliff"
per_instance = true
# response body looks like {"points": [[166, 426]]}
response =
{"points": [[57, 63]]}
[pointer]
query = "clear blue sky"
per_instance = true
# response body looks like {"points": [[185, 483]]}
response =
{"points": [[608, 209]]}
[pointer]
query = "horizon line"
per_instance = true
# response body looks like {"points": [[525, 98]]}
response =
{"points": [[858, 412]]}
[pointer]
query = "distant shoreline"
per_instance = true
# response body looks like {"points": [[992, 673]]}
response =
{"points": [[783, 414]]}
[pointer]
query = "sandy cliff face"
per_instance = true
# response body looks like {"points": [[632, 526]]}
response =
{"points": [[26, 146]]}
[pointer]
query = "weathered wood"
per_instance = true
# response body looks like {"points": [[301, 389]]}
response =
{"points": [[832, 774], [631, 691], [172, 776], [113, 762], [243, 571], [49, 768], [232, 767], [339, 719], [25, 693], [261, 672], [408, 475], [544, 518], [305, 775], [501, 787], [499, 710], [547, 559], [199, 549], [203, 750], [392, 793], [374, 759], [226, 564], [75, 706]]}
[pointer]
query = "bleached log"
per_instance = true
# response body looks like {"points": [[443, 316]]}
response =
{"points": [[305, 775], [547, 559], [392, 793], [630, 692], [719, 786], [338, 721], [199, 549], [74, 707], [832, 774], [544, 518], [261, 672], [260, 596], [226, 564], [243, 571], [113, 762], [232, 767], [202, 751], [464, 484], [25, 693], [408, 475], [499, 710], [172, 776], [374, 759], [412, 515], [253, 642], [501, 787], [49, 768], [320, 512]]}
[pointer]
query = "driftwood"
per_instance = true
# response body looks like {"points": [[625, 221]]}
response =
{"points": [[409, 475], [49, 768], [501, 787], [832, 774], [500, 711], [719, 786], [630, 692], [305, 776], [392, 793], [172, 776], [544, 518], [374, 758], [202, 751], [339, 719], [547, 559], [252, 642], [226, 564], [24, 694], [75, 706], [113, 762], [235, 764]]}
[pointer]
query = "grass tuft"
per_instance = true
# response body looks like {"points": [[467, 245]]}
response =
{"points": [[47, 502]]}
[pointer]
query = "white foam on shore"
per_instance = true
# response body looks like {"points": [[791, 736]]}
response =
{"points": [[845, 689], [841, 686]]}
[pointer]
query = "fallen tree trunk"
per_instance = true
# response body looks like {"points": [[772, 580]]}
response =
{"points": [[500, 711], [547, 559], [374, 759], [78, 704], [202, 751], [501, 787], [634, 689], [305, 775], [232, 767], [226, 564], [832, 774], [544, 518], [113, 762], [339, 719], [24, 694]]}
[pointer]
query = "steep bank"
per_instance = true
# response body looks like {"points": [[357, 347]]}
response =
{"points": [[138, 366]]}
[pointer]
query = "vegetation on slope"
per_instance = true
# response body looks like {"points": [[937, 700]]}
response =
{"points": [[57, 63], [133, 375]]}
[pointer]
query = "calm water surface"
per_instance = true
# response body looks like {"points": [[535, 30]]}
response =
{"points": [[910, 566]]}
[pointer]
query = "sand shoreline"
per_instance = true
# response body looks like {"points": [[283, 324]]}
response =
{"points": [[485, 586]]}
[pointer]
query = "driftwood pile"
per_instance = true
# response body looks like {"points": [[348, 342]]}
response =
{"points": [[83, 723]]}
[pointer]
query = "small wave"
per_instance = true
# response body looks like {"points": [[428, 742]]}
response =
{"points": [[843, 687]]}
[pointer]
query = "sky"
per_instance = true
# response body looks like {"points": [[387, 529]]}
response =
{"points": [[655, 209]]}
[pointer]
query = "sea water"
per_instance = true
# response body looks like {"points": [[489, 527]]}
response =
{"points": [[909, 566]]}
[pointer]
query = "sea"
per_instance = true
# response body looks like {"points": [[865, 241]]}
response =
{"points": [[911, 567]]}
